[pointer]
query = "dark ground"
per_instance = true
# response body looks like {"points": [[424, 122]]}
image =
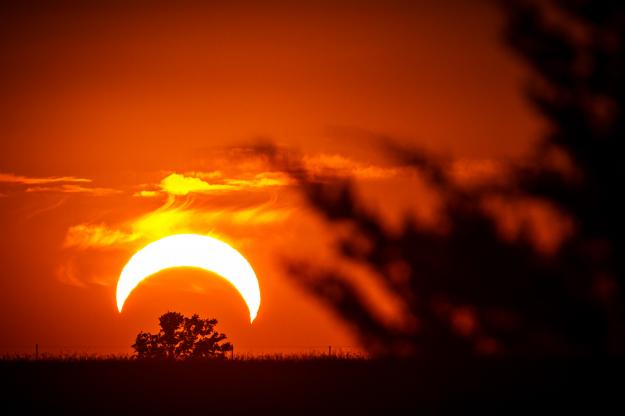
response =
{"points": [[311, 386]]}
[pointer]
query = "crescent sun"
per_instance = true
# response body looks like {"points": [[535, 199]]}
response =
{"points": [[191, 250]]}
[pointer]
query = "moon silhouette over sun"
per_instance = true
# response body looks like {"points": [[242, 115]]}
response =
{"points": [[191, 250]]}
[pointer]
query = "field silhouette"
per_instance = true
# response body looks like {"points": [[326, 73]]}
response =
{"points": [[308, 385]]}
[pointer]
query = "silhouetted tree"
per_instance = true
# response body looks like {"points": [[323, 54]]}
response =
{"points": [[467, 290], [182, 338]]}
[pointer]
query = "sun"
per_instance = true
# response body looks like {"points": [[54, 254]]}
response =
{"points": [[191, 250]]}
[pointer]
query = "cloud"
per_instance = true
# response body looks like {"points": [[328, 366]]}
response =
{"points": [[246, 200], [56, 184], [146, 193], [46, 208], [97, 235], [255, 173], [467, 172], [177, 184], [337, 165], [67, 273], [73, 189], [261, 180], [27, 180], [174, 218], [184, 184], [248, 171], [208, 175]]}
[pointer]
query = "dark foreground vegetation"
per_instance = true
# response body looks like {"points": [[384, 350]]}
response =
{"points": [[309, 386], [465, 285], [182, 338]]}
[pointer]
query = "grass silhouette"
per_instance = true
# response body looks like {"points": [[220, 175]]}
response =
{"points": [[304, 384]]}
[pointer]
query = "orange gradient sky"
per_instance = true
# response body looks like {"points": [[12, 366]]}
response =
{"points": [[122, 124]]}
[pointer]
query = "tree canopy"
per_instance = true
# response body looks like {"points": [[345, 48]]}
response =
{"points": [[182, 338]]}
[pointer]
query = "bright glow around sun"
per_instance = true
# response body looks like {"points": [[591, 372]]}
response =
{"points": [[191, 250]]}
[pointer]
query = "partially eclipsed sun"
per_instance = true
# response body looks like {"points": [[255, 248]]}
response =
{"points": [[191, 250]]}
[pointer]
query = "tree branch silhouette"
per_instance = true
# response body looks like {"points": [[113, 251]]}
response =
{"points": [[182, 338], [466, 289]]}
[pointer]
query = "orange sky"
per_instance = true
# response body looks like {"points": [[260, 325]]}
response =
{"points": [[104, 107]]}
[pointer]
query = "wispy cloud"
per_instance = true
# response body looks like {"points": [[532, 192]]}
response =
{"points": [[177, 184], [97, 235], [146, 193], [67, 273], [338, 165], [188, 216], [183, 184], [73, 189], [30, 180], [47, 208], [55, 184], [253, 173]]}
